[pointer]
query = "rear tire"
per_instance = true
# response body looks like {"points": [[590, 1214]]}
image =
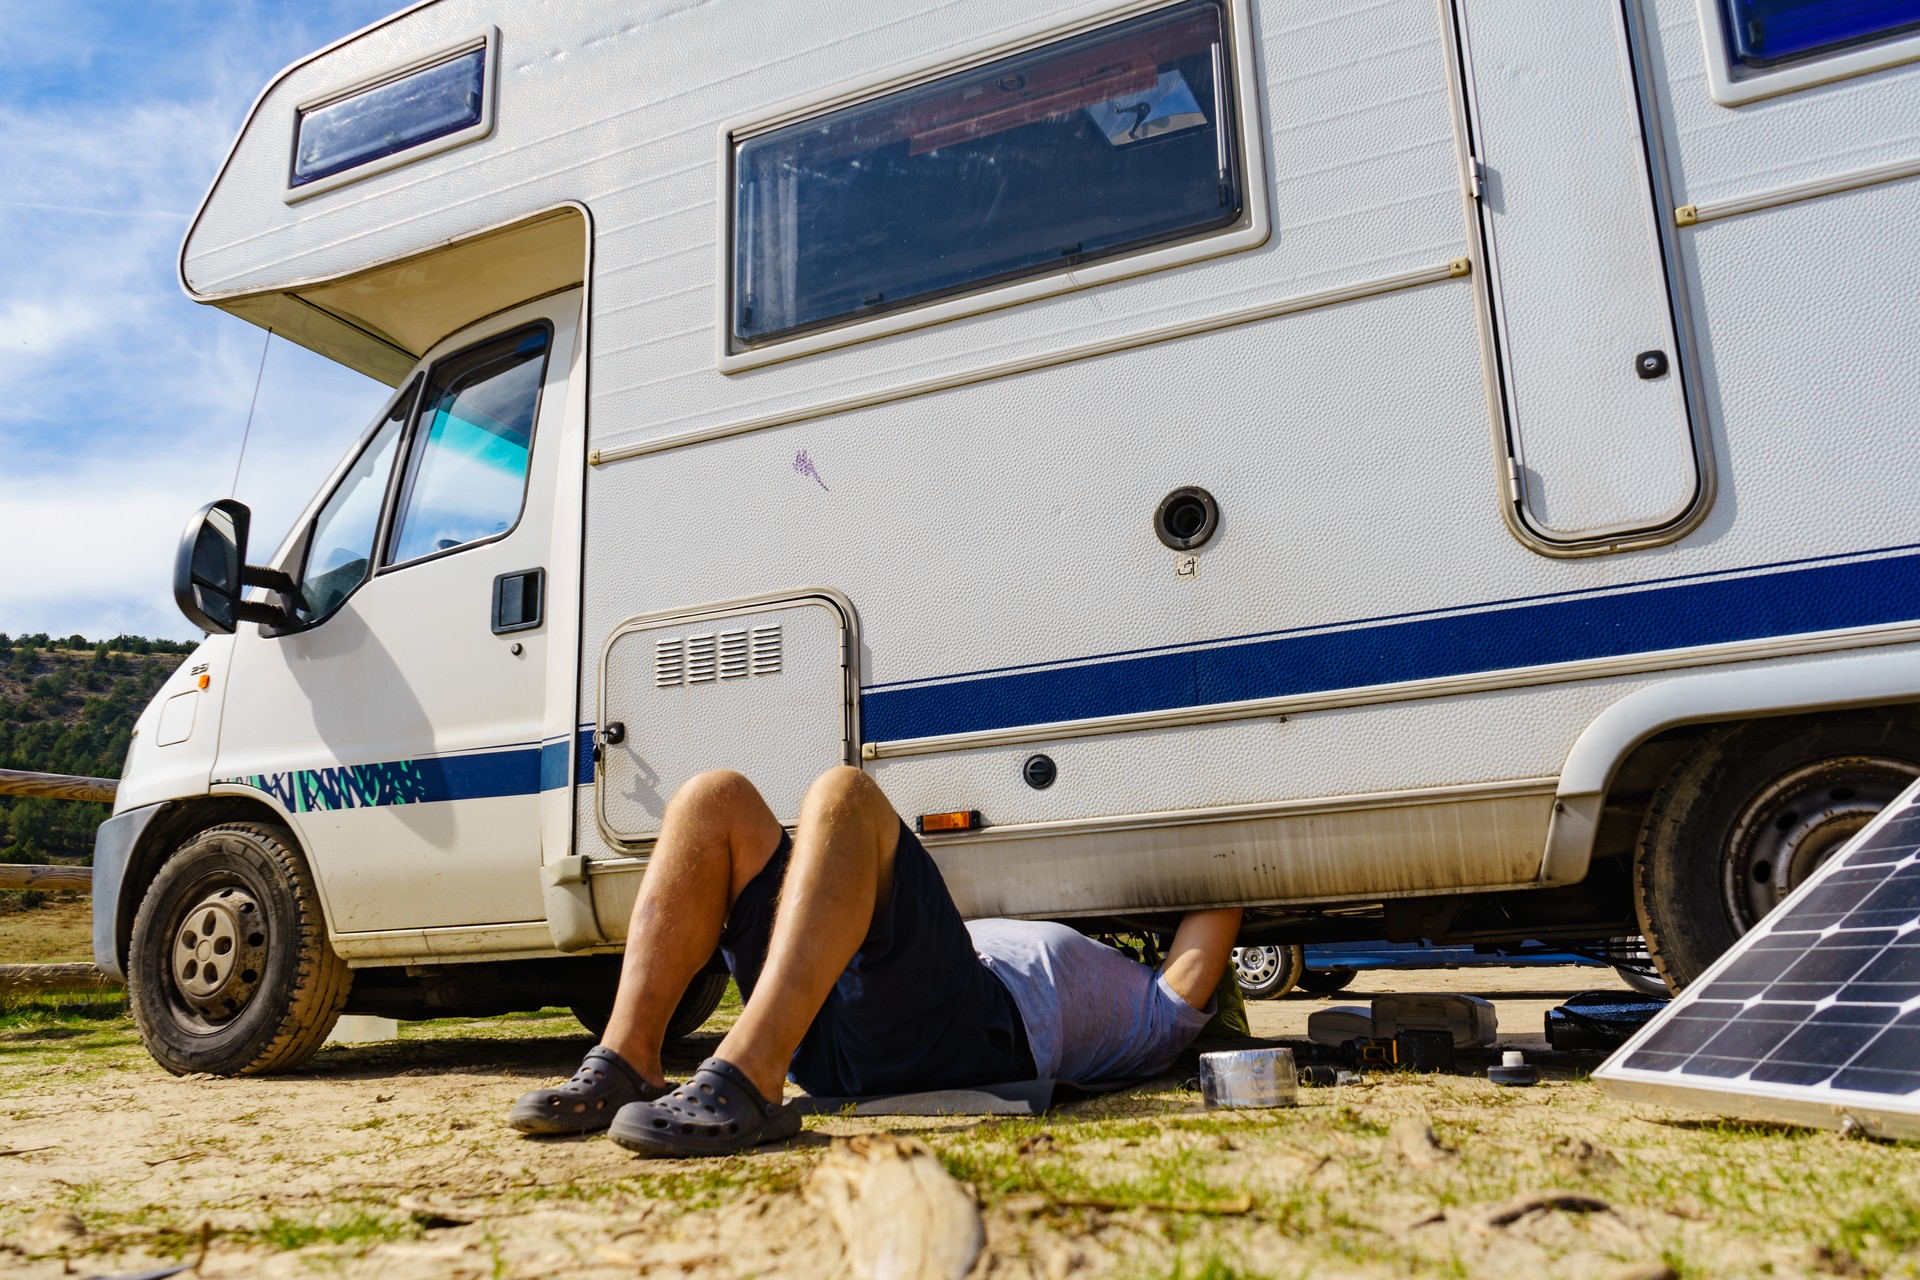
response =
{"points": [[703, 997], [229, 971], [1747, 818], [1324, 982], [1267, 973]]}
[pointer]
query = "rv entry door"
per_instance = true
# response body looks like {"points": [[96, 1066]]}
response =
{"points": [[399, 723], [1577, 270]]}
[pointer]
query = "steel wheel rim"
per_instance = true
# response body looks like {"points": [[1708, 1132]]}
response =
{"points": [[1796, 822], [1256, 966], [216, 953]]}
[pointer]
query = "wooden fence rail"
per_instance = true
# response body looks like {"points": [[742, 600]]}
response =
{"points": [[26, 876], [79, 976], [56, 786]]}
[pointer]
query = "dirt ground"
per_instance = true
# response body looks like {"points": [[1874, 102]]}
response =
{"points": [[391, 1160]]}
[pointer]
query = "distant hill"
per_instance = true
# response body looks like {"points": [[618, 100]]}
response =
{"points": [[67, 705]]}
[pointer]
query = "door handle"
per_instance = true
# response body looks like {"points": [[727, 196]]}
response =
{"points": [[519, 600]]}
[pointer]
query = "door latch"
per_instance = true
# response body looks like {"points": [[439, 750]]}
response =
{"points": [[611, 734], [519, 600]]}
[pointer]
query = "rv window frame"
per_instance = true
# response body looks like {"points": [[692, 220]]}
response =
{"points": [[487, 38], [1731, 86], [1238, 80], [412, 447], [301, 545]]}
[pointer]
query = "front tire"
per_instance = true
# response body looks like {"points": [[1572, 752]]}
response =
{"points": [[1748, 817], [229, 971]]}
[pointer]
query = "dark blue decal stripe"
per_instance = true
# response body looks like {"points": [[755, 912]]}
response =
{"points": [[553, 765], [1722, 611]]}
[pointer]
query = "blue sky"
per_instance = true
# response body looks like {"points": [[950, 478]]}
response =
{"points": [[122, 403]]}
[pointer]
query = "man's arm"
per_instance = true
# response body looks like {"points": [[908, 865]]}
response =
{"points": [[1198, 955]]}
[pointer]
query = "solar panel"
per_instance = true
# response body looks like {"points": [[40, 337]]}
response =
{"points": [[1814, 1016]]}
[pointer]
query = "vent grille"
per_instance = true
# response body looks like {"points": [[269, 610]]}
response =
{"points": [[733, 655], [766, 651], [730, 655], [700, 659], [669, 662]]}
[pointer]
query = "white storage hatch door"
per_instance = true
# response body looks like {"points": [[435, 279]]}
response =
{"points": [[763, 690], [1590, 367]]}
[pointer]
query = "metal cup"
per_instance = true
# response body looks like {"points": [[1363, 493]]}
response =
{"points": [[1249, 1078]]}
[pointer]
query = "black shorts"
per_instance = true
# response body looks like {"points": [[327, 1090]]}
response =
{"points": [[914, 1010]]}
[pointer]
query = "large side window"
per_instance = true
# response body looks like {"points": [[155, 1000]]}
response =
{"points": [[1772, 33], [467, 474], [1076, 152], [340, 549]]}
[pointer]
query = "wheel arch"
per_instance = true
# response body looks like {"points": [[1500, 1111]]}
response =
{"points": [[1622, 752], [172, 826]]}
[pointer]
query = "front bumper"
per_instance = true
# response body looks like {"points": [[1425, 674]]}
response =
{"points": [[113, 846]]}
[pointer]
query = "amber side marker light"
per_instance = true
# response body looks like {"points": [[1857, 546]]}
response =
{"points": [[205, 680], [928, 824]]}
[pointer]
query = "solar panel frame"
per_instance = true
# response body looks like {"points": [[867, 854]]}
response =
{"points": [[1813, 1017]]}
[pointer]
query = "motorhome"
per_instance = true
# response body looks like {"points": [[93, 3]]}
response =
{"points": [[1414, 468]]}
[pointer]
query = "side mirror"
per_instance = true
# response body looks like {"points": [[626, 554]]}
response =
{"points": [[211, 570]]}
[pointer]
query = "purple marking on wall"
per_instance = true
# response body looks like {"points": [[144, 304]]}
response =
{"points": [[803, 465]]}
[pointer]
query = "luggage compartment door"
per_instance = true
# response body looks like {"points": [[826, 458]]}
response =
{"points": [[1590, 362], [763, 687]]}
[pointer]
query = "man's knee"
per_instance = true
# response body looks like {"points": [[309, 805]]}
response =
{"points": [[717, 794], [847, 792]]}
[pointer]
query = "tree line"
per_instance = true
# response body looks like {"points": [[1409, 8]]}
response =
{"points": [[68, 705]]}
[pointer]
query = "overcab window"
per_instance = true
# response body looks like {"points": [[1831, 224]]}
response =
{"points": [[1773, 33], [1076, 152]]}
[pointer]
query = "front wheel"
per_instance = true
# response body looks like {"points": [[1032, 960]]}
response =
{"points": [[229, 971], [1748, 818], [1267, 973]]}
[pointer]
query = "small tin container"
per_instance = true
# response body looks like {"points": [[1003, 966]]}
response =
{"points": [[1249, 1078]]}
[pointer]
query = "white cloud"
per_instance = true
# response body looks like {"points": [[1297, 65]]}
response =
{"points": [[121, 402]]}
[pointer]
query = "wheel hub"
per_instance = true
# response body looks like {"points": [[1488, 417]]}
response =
{"points": [[1796, 822], [1256, 965], [218, 947]]}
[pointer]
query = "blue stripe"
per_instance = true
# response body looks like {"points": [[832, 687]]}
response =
{"points": [[1722, 611], [553, 765]]}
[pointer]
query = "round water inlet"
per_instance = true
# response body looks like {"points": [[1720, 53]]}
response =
{"points": [[1039, 771], [1186, 518]]}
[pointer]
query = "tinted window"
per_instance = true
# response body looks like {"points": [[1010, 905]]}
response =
{"points": [[1079, 151], [340, 552], [388, 118], [468, 472], [1767, 33]]}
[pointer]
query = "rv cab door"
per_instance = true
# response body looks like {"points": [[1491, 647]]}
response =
{"points": [[399, 723]]}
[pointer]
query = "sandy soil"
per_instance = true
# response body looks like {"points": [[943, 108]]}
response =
{"points": [[391, 1160]]}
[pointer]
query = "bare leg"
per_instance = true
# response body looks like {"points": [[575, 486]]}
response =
{"points": [[1198, 955], [842, 869], [716, 836]]}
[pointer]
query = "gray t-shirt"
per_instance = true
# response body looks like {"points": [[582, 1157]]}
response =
{"points": [[1092, 1015]]}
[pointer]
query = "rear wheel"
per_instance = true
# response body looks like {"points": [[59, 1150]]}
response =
{"points": [[229, 971], [702, 998], [1267, 973], [1749, 817], [1324, 982]]}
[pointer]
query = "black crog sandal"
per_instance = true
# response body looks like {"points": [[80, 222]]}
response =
{"points": [[716, 1113], [589, 1101]]}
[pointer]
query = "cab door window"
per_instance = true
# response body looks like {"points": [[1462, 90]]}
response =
{"points": [[340, 549], [467, 474]]}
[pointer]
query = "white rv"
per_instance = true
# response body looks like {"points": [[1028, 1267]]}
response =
{"points": [[1416, 468]]}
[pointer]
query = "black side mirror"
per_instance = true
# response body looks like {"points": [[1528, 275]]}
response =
{"points": [[211, 570]]}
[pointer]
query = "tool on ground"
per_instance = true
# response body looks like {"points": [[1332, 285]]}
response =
{"points": [[1467, 1020], [1423, 1051], [1249, 1078], [1600, 1020], [1514, 1070]]}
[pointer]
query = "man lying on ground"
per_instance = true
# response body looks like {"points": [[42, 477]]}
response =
{"points": [[864, 981]]}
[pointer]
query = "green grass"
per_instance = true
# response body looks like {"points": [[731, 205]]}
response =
{"points": [[358, 1228]]}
